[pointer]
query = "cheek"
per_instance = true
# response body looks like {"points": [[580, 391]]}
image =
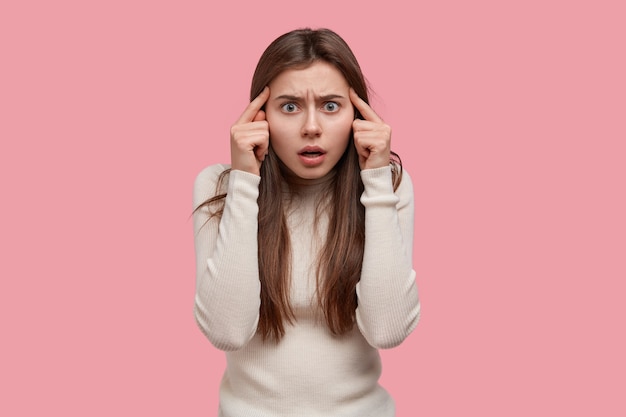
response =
{"points": [[277, 127], [344, 128]]}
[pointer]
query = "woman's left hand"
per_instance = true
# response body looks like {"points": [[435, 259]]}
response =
{"points": [[372, 136]]}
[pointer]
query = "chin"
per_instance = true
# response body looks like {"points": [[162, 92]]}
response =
{"points": [[308, 174], [297, 171]]}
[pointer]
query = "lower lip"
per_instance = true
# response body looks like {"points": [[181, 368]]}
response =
{"points": [[312, 160]]}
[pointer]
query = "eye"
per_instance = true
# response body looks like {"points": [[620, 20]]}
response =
{"points": [[289, 107], [331, 106]]}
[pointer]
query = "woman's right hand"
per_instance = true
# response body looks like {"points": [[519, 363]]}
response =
{"points": [[250, 136]]}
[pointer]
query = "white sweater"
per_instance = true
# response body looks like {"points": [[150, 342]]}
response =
{"points": [[310, 372]]}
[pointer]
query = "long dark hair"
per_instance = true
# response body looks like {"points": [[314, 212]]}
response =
{"points": [[341, 256]]}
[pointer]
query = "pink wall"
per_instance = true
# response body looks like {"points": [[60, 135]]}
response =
{"points": [[510, 119]]}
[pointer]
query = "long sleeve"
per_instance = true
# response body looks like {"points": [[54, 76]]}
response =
{"points": [[227, 277], [388, 304]]}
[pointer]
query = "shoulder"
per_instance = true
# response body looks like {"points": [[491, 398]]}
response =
{"points": [[211, 174], [388, 183], [206, 182]]}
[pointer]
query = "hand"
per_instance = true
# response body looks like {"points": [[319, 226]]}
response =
{"points": [[372, 137], [249, 136]]}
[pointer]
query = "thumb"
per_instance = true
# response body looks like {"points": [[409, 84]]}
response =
{"points": [[259, 116]]}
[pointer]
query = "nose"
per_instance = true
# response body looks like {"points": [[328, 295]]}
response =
{"points": [[311, 127]]}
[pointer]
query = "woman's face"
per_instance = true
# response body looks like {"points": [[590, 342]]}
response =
{"points": [[310, 118]]}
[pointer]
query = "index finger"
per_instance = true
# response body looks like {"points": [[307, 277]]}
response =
{"points": [[364, 108], [255, 105]]}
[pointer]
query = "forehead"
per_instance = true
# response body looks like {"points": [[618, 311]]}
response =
{"points": [[320, 77]]}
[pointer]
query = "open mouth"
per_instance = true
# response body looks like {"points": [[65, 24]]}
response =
{"points": [[311, 154]]}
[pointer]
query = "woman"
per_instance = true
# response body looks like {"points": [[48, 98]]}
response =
{"points": [[304, 244]]}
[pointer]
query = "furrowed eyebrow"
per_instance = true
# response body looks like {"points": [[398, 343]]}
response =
{"points": [[297, 98], [288, 97], [331, 97]]}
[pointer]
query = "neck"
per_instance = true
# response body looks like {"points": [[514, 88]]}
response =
{"points": [[298, 183]]}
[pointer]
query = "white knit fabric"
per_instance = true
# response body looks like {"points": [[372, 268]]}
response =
{"points": [[310, 372]]}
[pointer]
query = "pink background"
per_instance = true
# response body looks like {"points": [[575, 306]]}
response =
{"points": [[510, 116]]}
